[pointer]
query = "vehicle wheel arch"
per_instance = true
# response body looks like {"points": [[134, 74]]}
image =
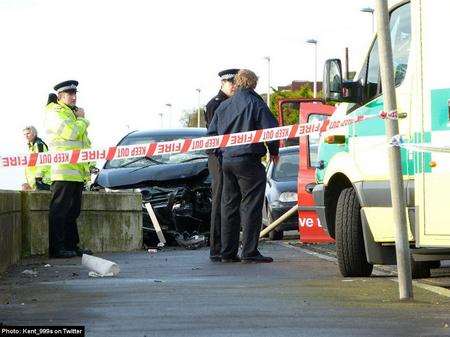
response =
{"points": [[336, 184]]}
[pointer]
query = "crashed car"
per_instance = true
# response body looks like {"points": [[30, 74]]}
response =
{"points": [[176, 185]]}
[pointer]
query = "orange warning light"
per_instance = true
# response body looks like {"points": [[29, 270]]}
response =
{"points": [[335, 139]]}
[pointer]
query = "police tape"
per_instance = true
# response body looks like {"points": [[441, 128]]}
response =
{"points": [[177, 146], [399, 141]]}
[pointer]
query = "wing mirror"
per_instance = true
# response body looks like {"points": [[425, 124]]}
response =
{"points": [[335, 88]]}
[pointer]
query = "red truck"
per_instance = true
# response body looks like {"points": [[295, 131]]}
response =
{"points": [[308, 110]]}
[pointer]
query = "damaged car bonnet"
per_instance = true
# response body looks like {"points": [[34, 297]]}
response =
{"points": [[177, 186]]}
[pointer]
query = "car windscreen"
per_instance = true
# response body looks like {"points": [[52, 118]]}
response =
{"points": [[287, 167], [175, 158]]}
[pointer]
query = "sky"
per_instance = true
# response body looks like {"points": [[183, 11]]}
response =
{"points": [[134, 57]]}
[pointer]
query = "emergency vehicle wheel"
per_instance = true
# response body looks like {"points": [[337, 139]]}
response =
{"points": [[350, 248], [420, 269]]}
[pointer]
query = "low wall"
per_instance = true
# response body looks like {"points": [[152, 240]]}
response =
{"points": [[10, 228], [109, 222]]}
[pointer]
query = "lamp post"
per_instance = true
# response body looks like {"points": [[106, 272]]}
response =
{"points": [[314, 42], [267, 58], [169, 112], [371, 11], [198, 108], [161, 118]]}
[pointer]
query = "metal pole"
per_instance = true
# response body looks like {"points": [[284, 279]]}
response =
{"points": [[198, 108], [315, 70], [268, 80], [347, 67], [395, 168], [373, 22], [169, 112], [314, 42]]}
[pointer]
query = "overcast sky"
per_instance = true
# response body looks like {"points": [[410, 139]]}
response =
{"points": [[133, 57]]}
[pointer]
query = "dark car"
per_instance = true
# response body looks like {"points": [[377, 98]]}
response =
{"points": [[176, 185], [281, 191]]}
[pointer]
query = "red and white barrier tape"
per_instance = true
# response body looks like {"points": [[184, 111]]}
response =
{"points": [[177, 146], [419, 147]]}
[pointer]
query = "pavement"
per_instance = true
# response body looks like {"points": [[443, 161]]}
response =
{"points": [[178, 292]]}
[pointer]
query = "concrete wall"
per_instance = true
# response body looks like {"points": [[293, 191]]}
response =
{"points": [[109, 222], [10, 228]]}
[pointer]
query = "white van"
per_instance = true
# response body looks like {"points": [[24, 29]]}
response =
{"points": [[353, 191]]}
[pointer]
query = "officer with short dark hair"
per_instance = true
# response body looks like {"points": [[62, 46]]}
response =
{"points": [[214, 162], [244, 177]]}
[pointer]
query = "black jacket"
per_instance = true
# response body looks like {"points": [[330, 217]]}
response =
{"points": [[212, 105], [245, 111]]}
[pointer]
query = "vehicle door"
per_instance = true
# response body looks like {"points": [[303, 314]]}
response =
{"points": [[310, 228]]}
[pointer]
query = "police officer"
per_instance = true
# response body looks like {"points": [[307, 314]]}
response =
{"points": [[67, 130], [244, 177], [38, 177], [214, 161]]}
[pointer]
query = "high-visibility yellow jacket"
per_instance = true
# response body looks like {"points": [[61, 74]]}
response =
{"points": [[67, 132], [33, 172]]}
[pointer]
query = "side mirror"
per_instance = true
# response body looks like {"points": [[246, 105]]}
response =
{"points": [[335, 89], [332, 80]]}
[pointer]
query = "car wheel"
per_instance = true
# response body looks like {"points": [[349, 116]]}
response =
{"points": [[275, 234], [350, 248]]}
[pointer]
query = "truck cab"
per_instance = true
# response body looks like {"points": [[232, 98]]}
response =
{"points": [[352, 194]]}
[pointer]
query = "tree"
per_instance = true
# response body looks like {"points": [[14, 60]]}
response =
{"points": [[290, 111], [189, 118]]}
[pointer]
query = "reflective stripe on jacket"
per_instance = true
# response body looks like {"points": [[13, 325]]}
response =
{"points": [[66, 132], [33, 172]]}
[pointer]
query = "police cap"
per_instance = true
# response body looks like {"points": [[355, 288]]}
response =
{"points": [[228, 74], [70, 85]]}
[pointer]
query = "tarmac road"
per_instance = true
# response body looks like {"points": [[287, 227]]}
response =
{"points": [[180, 293]]}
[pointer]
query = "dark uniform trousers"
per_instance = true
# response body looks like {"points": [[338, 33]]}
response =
{"points": [[215, 169], [244, 184], [65, 208]]}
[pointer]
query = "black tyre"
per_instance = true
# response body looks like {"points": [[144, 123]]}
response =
{"points": [[350, 248], [273, 235], [420, 269], [434, 264], [276, 235]]}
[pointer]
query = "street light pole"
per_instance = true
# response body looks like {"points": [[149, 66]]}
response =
{"points": [[161, 118], [314, 42], [169, 110], [267, 58], [198, 108], [371, 11]]}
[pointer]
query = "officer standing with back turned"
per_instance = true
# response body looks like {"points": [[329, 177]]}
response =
{"points": [[214, 162], [244, 176], [67, 130]]}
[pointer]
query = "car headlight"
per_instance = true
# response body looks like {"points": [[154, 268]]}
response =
{"points": [[288, 197], [122, 191]]}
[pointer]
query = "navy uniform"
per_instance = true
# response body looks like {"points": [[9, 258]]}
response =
{"points": [[244, 177], [215, 169]]}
